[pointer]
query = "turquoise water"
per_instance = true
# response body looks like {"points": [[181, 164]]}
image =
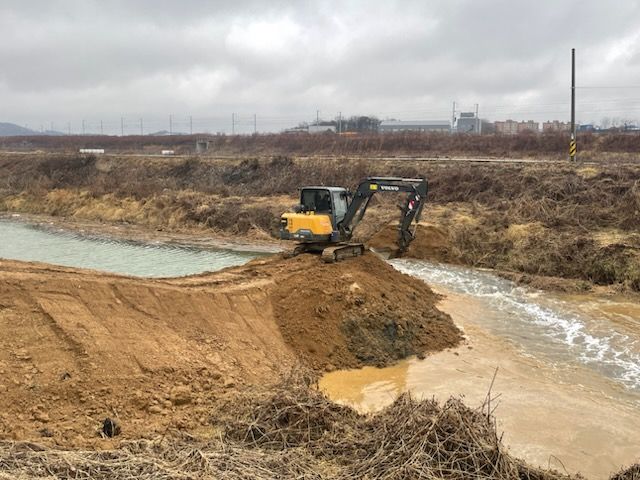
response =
{"points": [[21, 241]]}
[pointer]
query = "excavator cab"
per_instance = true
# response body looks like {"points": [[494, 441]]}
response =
{"points": [[317, 216], [325, 200]]}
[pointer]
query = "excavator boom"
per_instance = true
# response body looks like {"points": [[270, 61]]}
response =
{"points": [[411, 210]]}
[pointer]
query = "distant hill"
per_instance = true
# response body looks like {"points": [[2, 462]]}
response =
{"points": [[13, 130]]}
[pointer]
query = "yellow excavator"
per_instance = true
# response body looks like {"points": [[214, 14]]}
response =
{"points": [[326, 217]]}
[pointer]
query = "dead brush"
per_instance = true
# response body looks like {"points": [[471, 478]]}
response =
{"points": [[408, 439]]}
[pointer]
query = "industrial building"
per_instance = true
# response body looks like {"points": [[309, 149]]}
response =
{"points": [[415, 126], [469, 123]]}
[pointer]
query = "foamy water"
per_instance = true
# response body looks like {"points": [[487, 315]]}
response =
{"points": [[541, 325]]}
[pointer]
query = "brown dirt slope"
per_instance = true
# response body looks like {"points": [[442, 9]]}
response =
{"points": [[79, 346], [359, 312]]}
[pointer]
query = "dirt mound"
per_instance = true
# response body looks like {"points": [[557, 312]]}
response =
{"points": [[80, 346], [431, 242], [358, 312]]}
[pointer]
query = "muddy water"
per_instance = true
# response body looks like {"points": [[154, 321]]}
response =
{"points": [[21, 241], [603, 335], [566, 378]]}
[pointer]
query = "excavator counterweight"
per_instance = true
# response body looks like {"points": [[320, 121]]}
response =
{"points": [[326, 217]]}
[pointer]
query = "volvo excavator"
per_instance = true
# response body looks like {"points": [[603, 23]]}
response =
{"points": [[326, 217]]}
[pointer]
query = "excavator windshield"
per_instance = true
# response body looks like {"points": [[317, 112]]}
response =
{"points": [[316, 200]]}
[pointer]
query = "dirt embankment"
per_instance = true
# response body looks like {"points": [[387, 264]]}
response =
{"points": [[78, 346]]}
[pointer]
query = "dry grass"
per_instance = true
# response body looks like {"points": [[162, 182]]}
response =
{"points": [[592, 146]]}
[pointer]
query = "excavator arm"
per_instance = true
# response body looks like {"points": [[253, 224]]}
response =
{"points": [[416, 190]]}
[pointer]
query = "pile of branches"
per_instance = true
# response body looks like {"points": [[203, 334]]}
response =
{"points": [[409, 439]]}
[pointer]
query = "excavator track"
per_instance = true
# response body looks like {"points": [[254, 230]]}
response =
{"points": [[341, 252]]}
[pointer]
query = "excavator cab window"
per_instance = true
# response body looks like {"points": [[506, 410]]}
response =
{"points": [[340, 205], [316, 200]]}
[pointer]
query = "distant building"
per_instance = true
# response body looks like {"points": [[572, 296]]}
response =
{"points": [[469, 123], [321, 128], [528, 126], [556, 126], [508, 127], [415, 126], [512, 127]]}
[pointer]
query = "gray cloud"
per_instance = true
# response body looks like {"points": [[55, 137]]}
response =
{"points": [[66, 60]]}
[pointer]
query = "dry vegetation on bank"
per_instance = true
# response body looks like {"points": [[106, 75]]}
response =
{"points": [[549, 145], [538, 219]]}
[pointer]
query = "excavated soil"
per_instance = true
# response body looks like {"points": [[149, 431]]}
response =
{"points": [[342, 317], [164, 354], [431, 242]]}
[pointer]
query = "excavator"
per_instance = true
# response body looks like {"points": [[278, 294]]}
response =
{"points": [[326, 217]]}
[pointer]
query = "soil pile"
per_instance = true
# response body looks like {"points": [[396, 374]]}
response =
{"points": [[358, 312], [80, 346], [431, 242]]}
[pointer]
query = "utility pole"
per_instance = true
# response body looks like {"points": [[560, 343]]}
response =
{"points": [[122, 126], [255, 124], [233, 124], [478, 123], [190, 125], [339, 122], [83, 126], [317, 117], [453, 115], [141, 128], [52, 126], [101, 128], [572, 143], [170, 125]]}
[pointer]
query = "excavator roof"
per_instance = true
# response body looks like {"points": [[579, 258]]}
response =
{"points": [[323, 187]]}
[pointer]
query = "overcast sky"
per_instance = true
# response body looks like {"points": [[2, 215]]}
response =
{"points": [[65, 61]]}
